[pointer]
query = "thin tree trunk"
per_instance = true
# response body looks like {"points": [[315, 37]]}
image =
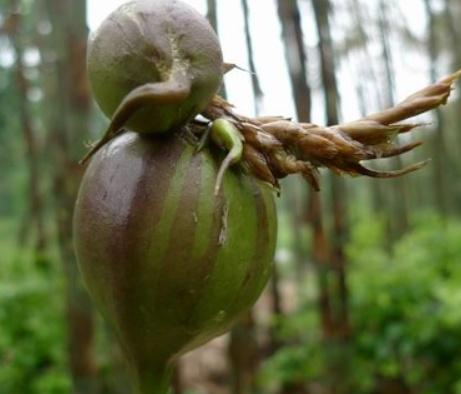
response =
{"points": [[243, 350], [34, 214], [321, 255], [70, 126], [296, 58], [297, 65], [439, 152], [295, 205], [400, 205], [338, 190], [295, 54], [257, 91], [277, 311], [454, 34], [212, 15], [452, 11], [358, 12], [244, 353]]}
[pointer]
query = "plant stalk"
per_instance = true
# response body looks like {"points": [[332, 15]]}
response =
{"points": [[152, 380]]}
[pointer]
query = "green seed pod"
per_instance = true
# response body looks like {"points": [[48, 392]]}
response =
{"points": [[154, 63], [169, 263]]}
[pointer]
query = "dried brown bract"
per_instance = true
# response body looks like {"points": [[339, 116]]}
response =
{"points": [[276, 147]]}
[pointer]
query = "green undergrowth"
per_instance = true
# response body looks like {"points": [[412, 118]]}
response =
{"points": [[32, 340], [405, 315], [404, 305]]}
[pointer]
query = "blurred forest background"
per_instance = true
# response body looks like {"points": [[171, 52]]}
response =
{"points": [[366, 292]]}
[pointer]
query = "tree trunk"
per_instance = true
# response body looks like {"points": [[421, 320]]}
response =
{"points": [[34, 214], [358, 12], [295, 54], [296, 57], [439, 152], [454, 34], [400, 205], [244, 355], [212, 15], [70, 124], [452, 12], [338, 190], [336, 338], [277, 311], [321, 255], [257, 91], [243, 351]]}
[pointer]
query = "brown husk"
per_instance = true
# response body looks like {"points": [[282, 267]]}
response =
{"points": [[276, 147]]}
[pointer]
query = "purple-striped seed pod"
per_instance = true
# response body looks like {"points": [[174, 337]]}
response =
{"points": [[170, 263]]}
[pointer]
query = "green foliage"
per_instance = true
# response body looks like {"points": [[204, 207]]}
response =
{"points": [[32, 341], [405, 315]]}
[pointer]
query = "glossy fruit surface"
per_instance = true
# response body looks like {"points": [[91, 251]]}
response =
{"points": [[170, 264], [154, 41]]}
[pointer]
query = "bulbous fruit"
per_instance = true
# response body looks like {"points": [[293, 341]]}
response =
{"points": [[159, 42], [169, 263]]}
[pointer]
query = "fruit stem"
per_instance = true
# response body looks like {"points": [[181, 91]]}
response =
{"points": [[226, 135], [174, 90], [152, 381]]}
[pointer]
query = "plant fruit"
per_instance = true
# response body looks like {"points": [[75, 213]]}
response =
{"points": [[164, 45], [170, 264]]}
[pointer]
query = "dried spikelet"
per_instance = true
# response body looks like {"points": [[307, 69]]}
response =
{"points": [[276, 147], [258, 165]]}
